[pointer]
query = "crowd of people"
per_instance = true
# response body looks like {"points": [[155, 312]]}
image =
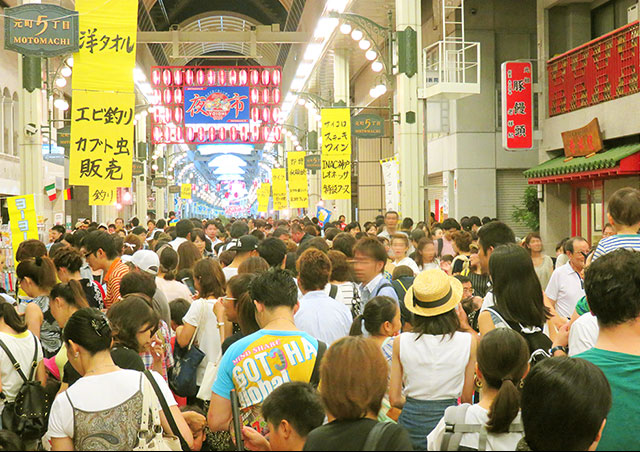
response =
{"points": [[387, 336]]}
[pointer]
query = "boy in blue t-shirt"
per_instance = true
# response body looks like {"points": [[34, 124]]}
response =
{"points": [[624, 215]]}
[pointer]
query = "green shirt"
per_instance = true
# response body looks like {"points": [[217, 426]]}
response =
{"points": [[582, 307], [623, 372]]}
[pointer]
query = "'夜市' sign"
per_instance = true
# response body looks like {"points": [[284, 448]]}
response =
{"points": [[41, 30]]}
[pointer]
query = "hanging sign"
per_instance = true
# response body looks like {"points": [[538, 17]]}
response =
{"points": [[391, 177], [216, 105], [584, 141], [367, 126], [41, 30], [313, 162], [160, 182], [137, 168], [103, 196], [174, 188], [323, 215], [279, 180], [517, 106], [298, 188], [336, 153], [23, 219], [264, 192], [185, 191]]}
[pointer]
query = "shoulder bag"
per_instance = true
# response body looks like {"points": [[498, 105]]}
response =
{"points": [[152, 438], [183, 376]]}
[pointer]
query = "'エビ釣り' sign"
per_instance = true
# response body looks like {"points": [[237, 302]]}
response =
{"points": [[41, 30], [586, 140]]}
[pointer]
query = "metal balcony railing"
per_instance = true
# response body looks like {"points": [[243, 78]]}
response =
{"points": [[598, 71], [451, 69]]}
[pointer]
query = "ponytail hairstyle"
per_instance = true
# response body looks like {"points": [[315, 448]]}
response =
{"points": [[376, 312], [168, 262], [40, 270], [69, 258], [10, 316], [503, 358], [89, 329], [238, 286], [72, 293]]}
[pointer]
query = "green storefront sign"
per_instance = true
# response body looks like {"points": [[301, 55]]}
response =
{"points": [[41, 30], [160, 182], [367, 126], [137, 168], [313, 162], [64, 138], [174, 189]]}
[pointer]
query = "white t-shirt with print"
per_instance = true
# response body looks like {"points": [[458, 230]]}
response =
{"points": [[409, 263], [22, 346], [201, 315], [583, 334], [98, 393]]}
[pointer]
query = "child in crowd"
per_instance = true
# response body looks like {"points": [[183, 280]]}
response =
{"points": [[624, 215], [400, 247]]}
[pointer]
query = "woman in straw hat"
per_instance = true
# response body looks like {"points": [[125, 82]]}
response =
{"points": [[435, 362]]}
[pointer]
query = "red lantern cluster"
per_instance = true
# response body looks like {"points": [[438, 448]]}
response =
{"points": [[265, 97]]}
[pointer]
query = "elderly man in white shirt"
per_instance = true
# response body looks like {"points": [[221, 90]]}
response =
{"points": [[319, 315], [566, 286]]}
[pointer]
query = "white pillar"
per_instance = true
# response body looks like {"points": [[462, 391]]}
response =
{"points": [[341, 93], [160, 202], [409, 137]]}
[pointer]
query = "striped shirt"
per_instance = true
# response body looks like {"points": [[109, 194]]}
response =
{"points": [[113, 277], [614, 242]]}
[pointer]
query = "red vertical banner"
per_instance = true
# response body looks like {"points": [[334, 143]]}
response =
{"points": [[517, 106]]}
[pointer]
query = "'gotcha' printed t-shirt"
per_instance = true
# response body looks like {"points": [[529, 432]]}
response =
{"points": [[259, 363]]}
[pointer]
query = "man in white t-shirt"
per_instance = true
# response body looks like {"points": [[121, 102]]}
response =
{"points": [[245, 247], [566, 286], [183, 233]]}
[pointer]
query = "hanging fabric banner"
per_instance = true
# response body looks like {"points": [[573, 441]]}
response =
{"points": [[264, 192], [279, 180], [336, 153], [103, 196], [23, 219], [391, 176], [102, 144], [298, 187]]}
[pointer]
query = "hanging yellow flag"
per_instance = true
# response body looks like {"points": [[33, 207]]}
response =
{"points": [[102, 196], [336, 153], [185, 191], [279, 180], [298, 188], [23, 219], [264, 192], [102, 144]]}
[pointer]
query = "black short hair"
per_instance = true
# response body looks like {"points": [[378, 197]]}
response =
{"points": [[570, 244], [97, 240], [59, 228], [612, 285], [451, 223], [462, 279], [183, 228], [344, 242], [161, 223], [138, 230], [417, 234], [273, 250], [331, 232], [486, 220], [495, 234], [274, 288], [316, 242], [297, 403], [138, 281], [475, 221], [179, 308], [564, 402], [238, 229], [88, 328], [280, 231]]}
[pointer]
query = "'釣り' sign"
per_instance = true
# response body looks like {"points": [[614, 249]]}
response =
{"points": [[336, 153], [517, 106], [103, 196], [216, 105], [584, 141], [367, 126], [41, 30]]}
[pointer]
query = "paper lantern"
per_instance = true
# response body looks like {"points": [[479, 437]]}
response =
{"points": [[188, 77], [255, 114], [276, 78], [254, 95], [265, 95], [200, 77], [178, 114], [266, 77], [242, 77], [166, 77], [177, 77], [255, 77], [233, 77], [156, 77], [212, 134], [277, 96], [222, 133], [211, 77], [167, 96], [266, 114], [177, 96], [222, 77]]}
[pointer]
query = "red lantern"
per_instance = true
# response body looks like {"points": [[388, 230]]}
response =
{"points": [[212, 134], [178, 114], [233, 77], [202, 134], [266, 114], [244, 133], [277, 134], [265, 95], [255, 134], [242, 77], [222, 133], [265, 77], [222, 77], [166, 77], [188, 77], [155, 77], [255, 95], [234, 134], [157, 134], [167, 134], [277, 77], [156, 97], [211, 77], [200, 77], [190, 134], [275, 114], [255, 77], [177, 77], [167, 96], [255, 114], [266, 131], [277, 96], [177, 96], [179, 134]]}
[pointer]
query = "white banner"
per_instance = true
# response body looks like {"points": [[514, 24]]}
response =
{"points": [[391, 176]]}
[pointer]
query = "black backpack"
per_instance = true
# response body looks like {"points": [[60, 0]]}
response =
{"points": [[28, 415], [538, 342]]}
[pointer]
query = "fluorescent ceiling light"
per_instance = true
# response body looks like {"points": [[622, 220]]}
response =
{"points": [[337, 5], [227, 160], [210, 149], [325, 27], [313, 51], [229, 170]]}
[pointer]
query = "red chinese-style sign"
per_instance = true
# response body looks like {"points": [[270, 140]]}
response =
{"points": [[517, 106], [584, 141], [171, 84]]}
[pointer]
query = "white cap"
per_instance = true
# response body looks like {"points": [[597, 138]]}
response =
{"points": [[147, 261]]}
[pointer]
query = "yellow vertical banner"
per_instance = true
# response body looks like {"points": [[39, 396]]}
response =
{"points": [[23, 219], [279, 180], [298, 187], [102, 196], [264, 192], [185, 191], [102, 138], [336, 153]]}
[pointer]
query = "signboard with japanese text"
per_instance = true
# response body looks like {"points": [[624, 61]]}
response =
{"points": [[102, 138], [174, 188], [298, 187], [137, 168], [517, 106], [264, 192], [279, 181], [160, 182], [391, 177], [103, 196], [367, 126], [22, 219], [313, 162], [336, 153], [185, 191], [584, 141], [216, 105], [41, 30]]}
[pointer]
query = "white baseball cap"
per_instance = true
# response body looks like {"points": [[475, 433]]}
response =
{"points": [[147, 261]]}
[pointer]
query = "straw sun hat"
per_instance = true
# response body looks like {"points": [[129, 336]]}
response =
{"points": [[433, 293]]}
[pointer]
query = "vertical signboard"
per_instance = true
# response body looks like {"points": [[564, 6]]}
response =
{"points": [[391, 176], [336, 153], [185, 191], [22, 216], [279, 180], [517, 106], [298, 188], [264, 192]]}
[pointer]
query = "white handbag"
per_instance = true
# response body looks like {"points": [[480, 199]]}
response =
{"points": [[157, 441], [210, 374]]}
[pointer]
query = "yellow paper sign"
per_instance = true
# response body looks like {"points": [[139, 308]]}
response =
{"points": [[264, 192], [102, 196], [23, 219], [185, 191], [102, 145], [336, 153], [298, 188], [279, 179]]}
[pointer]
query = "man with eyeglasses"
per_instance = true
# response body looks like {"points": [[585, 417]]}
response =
{"points": [[566, 286]]}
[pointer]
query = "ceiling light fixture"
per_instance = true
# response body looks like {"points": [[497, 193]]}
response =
{"points": [[357, 35], [371, 55], [376, 66]]}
